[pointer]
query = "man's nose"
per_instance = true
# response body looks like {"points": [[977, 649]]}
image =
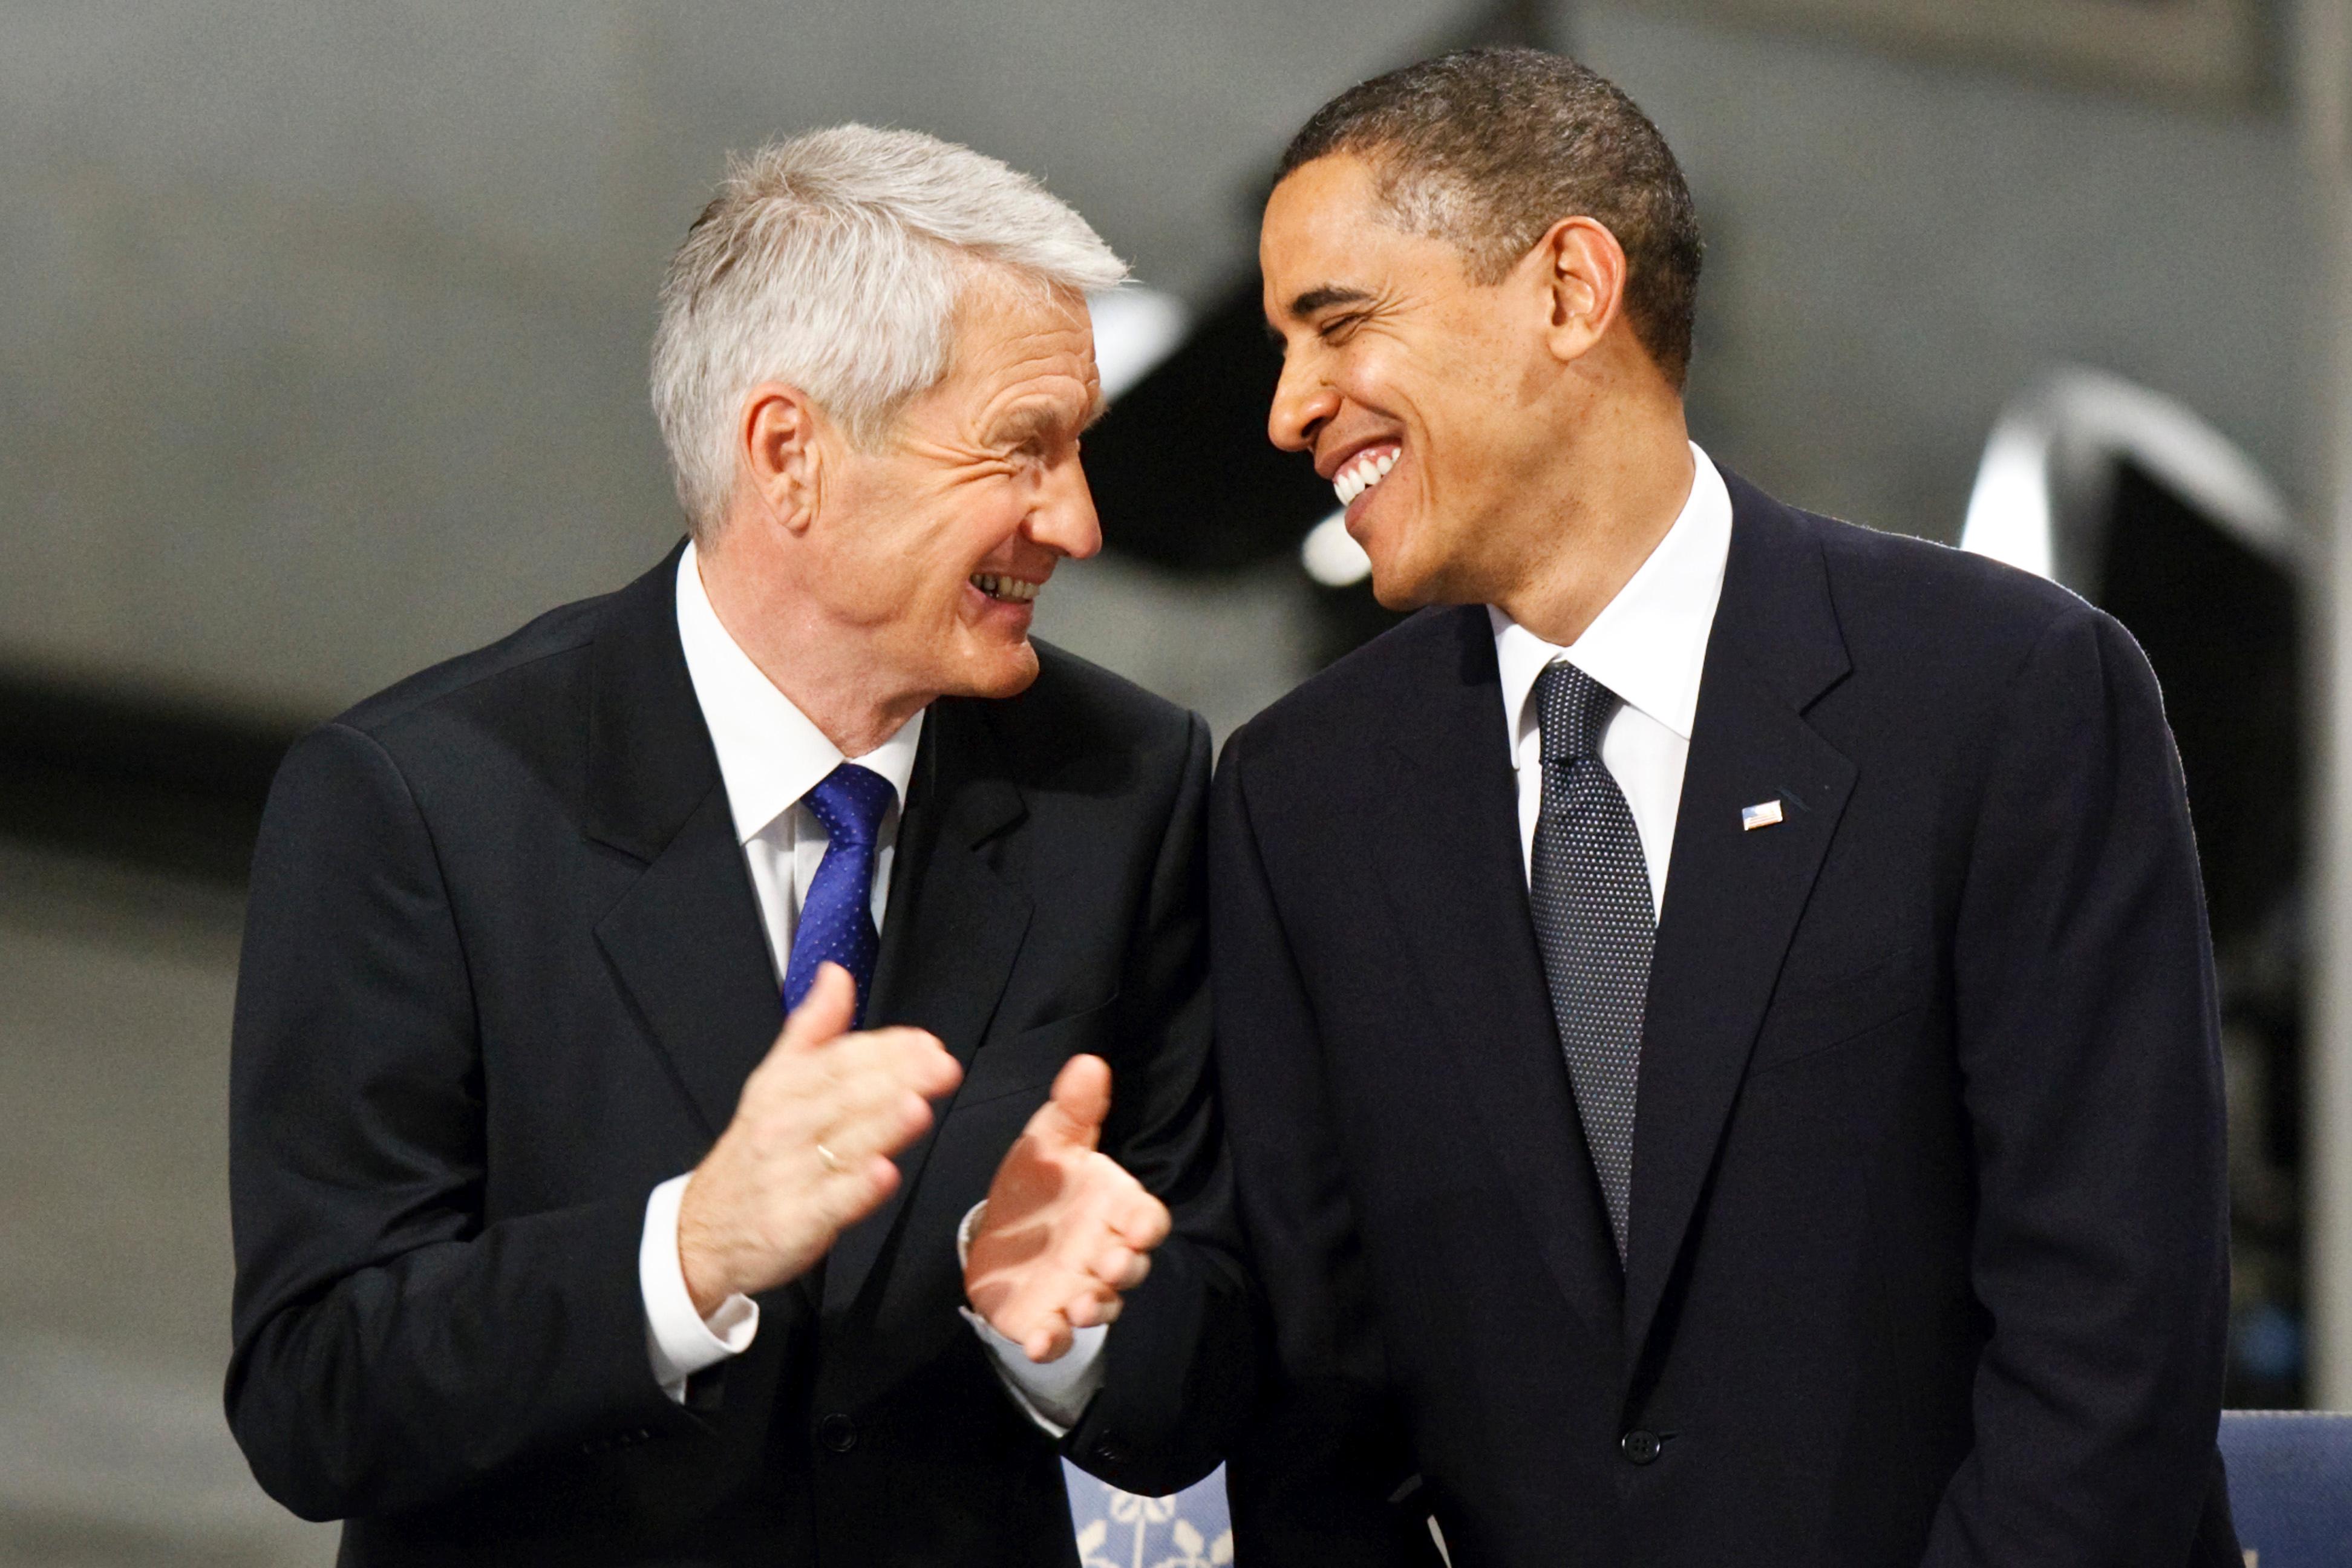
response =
{"points": [[1063, 518], [1302, 404]]}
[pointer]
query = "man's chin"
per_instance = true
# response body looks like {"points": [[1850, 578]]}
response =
{"points": [[1401, 583], [1392, 593], [998, 672]]}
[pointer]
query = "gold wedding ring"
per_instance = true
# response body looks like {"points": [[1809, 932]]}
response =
{"points": [[833, 1162]]}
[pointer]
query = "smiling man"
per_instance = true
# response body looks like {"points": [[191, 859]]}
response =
{"points": [[551, 1247], [1715, 1014]]}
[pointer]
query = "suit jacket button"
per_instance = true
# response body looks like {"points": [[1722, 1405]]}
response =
{"points": [[838, 1433], [1639, 1446], [1109, 1450]]}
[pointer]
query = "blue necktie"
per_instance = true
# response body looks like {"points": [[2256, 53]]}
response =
{"points": [[837, 923]]}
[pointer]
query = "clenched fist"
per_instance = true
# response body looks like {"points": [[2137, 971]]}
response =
{"points": [[1066, 1229], [808, 1152]]}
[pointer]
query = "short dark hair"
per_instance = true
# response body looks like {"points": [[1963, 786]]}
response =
{"points": [[1488, 148]]}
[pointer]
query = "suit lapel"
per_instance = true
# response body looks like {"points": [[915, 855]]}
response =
{"points": [[684, 940], [953, 928], [1733, 895], [686, 944], [1458, 895]]}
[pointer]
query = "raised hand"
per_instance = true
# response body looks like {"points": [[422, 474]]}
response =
{"points": [[1066, 1229], [808, 1152]]}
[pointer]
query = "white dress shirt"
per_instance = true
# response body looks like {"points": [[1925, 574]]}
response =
{"points": [[1648, 646], [769, 756]]}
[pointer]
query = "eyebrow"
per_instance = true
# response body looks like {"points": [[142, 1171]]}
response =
{"points": [[1030, 421], [1324, 297]]}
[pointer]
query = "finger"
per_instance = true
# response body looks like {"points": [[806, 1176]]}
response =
{"points": [[830, 1007], [1049, 1342], [1108, 1264], [1120, 1268], [847, 1099], [910, 1057], [848, 1196], [1093, 1310], [1143, 1222], [1121, 1206], [924, 1065], [1080, 1099], [917, 1062], [878, 1118], [865, 1069]]}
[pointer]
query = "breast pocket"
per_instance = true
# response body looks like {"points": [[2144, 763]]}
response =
{"points": [[1026, 1062], [1810, 1015]]}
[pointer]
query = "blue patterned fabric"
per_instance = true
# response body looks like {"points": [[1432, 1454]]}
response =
{"points": [[2290, 1486], [1120, 1529], [837, 923]]}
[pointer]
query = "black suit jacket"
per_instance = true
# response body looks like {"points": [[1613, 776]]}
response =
{"points": [[1927, 1245], [504, 972]]}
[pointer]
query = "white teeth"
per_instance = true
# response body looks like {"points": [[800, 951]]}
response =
{"points": [[1014, 590], [1359, 477]]}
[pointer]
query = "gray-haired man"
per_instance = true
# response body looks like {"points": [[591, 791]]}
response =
{"points": [[548, 1245]]}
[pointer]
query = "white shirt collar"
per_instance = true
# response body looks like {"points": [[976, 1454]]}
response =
{"points": [[769, 752], [1648, 645]]}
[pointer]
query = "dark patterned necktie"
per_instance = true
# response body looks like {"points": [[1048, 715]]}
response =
{"points": [[1590, 890], [837, 923]]}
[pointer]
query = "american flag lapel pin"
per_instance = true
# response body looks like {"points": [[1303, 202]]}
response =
{"points": [[1764, 814]]}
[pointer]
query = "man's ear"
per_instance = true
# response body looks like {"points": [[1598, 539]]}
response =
{"points": [[780, 447], [1584, 273]]}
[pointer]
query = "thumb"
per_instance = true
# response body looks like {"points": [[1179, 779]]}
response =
{"points": [[1080, 1100], [825, 1012]]}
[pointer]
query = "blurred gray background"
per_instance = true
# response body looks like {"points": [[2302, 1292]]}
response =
{"points": [[322, 358]]}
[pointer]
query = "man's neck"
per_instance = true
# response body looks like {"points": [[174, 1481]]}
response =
{"points": [[820, 667], [1620, 490]]}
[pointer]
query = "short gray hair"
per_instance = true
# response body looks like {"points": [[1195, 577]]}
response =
{"points": [[833, 262]]}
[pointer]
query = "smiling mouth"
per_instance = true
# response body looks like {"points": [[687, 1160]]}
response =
{"points": [[1365, 472], [1004, 589]]}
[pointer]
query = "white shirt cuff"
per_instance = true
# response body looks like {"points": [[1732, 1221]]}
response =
{"points": [[679, 1341], [1053, 1393]]}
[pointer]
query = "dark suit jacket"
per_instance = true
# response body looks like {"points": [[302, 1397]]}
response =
{"points": [[504, 972], [1927, 1246]]}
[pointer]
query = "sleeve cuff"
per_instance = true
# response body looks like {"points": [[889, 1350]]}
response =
{"points": [[1053, 1393], [679, 1342]]}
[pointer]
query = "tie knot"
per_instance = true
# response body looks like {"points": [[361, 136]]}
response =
{"points": [[1571, 708], [850, 801]]}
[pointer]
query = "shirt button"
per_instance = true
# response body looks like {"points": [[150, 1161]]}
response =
{"points": [[838, 1433], [1639, 1446]]}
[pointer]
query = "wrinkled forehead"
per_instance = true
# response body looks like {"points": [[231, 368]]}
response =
{"points": [[1022, 356]]}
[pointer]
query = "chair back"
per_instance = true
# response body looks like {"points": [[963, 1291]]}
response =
{"points": [[2290, 1486], [1120, 1529]]}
